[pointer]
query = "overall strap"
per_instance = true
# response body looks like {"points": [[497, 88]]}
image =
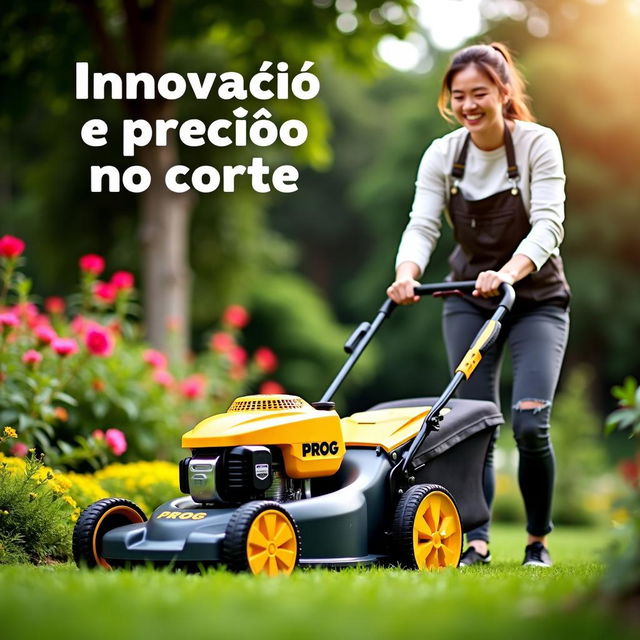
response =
{"points": [[457, 171]]}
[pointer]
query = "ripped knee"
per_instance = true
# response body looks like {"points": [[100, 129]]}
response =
{"points": [[531, 424], [531, 404]]}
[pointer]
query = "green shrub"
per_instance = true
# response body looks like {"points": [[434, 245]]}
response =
{"points": [[35, 514]]}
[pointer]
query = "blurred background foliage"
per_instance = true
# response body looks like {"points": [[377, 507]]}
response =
{"points": [[312, 264]]}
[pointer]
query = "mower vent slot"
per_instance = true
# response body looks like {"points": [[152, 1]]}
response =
{"points": [[266, 404]]}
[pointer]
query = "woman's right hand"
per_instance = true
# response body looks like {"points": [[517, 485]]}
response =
{"points": [[401, 291]]}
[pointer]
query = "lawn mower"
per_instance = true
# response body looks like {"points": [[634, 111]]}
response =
{"points": [[275, 482]]}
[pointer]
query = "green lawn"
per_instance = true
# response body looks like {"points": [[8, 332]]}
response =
{"points": [[504, 600]]}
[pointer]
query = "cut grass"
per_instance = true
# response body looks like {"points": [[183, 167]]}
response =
{"points": [[503, 600]]}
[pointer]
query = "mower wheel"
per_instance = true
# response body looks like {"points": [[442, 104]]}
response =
{"points": [[262, 538], [427, 533], [96, 520]]}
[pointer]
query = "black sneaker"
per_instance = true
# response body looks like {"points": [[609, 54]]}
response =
{"points": [[471, 557], [536, 555]]}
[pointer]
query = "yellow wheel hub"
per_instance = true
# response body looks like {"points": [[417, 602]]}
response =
{"points": [[271, 544], [437, 532]]}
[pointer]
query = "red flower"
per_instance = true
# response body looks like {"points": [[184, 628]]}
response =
{"points": [[236, 316], [237, 356], [630, 471], [44, 334], [265, 360], [122, 281], [162, 377], [238, 372], [155, 358], [105, 292], [99, 341], [116, 441], [19, 449], [64, 346], [61, 414], [9, 319], [222, 342], [194, 386], [31, 357], [54, 304], [271, 387], [11, 247], [98, 385], [92, 263]]}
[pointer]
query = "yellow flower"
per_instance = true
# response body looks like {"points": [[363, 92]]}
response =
{"points": [[10, 432], [70, 501]]}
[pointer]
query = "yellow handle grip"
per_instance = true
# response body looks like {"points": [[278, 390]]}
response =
{"points": [[485, 338]]}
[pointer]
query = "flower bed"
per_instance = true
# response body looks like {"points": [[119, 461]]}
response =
{"points": [[78, 382]]}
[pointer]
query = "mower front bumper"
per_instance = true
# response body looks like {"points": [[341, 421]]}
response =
{"points": [[178, 531]]}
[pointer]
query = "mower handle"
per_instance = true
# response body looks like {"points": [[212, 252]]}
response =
{"points": [[361, 337]]}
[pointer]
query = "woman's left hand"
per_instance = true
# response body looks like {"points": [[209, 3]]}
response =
{"points": [[488, 282]]}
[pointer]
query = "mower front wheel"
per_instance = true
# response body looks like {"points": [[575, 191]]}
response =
{"points": [[263, 538], [96, 520], [427, 532]]}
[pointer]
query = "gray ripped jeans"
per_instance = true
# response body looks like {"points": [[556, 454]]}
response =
{"points": [[537, 338]]}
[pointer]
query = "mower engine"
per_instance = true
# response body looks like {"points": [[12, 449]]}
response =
{"points": [[269, 446], [238, 475]]}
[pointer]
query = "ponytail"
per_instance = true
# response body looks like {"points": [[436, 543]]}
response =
{"points": [[496, 61]]}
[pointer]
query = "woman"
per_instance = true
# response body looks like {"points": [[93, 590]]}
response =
{"points": [[500, 179]]}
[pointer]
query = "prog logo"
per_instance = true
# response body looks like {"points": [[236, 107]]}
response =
{"points": [[181, 515], [319, 448]]}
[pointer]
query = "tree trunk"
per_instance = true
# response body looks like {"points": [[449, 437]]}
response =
{"points": [[164, 236]]}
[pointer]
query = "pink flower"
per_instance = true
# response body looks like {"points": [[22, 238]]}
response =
{"points": [[162, 377], [237, 356], [9, 319], [31, 357], [155, 358], [194, 386], [222, 342], [116, 441], [236, 316], [97, 434], [44, 334], [64, 346], [99, 341], [11, 247], [122, 281], [105, 292], [79, 325], [271, 387], [265, 360], [19, 449], [54, 304], [92, 263]]}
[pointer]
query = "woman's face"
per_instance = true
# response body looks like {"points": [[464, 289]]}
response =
{"points": [[477, 102]]}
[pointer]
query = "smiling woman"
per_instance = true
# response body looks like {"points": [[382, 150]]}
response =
{"points": [[501, 181]]}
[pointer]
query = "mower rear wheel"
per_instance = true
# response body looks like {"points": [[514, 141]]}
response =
{"points": [[262, 538], [96, 520], [427, 533]]}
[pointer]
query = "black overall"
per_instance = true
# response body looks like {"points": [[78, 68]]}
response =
{"points": [[488, 231]]}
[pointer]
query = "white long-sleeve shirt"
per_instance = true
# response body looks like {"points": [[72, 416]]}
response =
{"points": [[541, 182]]}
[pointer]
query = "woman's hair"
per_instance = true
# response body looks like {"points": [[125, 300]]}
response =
{"points": [[496, 62]]}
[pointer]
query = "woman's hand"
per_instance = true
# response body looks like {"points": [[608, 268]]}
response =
{"points": [[488, 282], [401, 291]]}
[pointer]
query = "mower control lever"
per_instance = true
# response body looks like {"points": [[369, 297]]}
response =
{"points": [[356, 336]]}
